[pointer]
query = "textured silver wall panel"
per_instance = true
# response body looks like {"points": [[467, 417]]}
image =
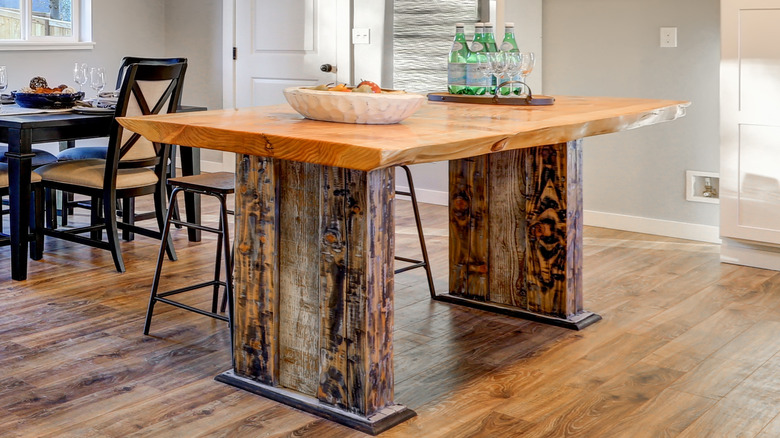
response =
{"points": [[422, 35]]}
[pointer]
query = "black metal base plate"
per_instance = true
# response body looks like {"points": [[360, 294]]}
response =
{"points": [[577, 322], [374, 425]]}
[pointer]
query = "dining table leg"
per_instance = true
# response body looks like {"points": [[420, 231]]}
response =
{"points": [[313, 319], [19, 167], [190, 165], [516, 234]]}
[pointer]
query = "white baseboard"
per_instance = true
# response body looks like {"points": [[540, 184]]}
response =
{"points": [[660, 227], [428, 196], [748, 253], [213, 166]]}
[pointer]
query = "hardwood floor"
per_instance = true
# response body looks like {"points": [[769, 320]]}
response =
{"points": [[688, 347]]}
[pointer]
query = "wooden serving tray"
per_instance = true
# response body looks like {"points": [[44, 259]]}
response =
{"points": [[535, 100]]}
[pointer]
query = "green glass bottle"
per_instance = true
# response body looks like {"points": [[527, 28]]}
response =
{"points": [[509, 45], [456, 66], [475, 81], [490, 47]]}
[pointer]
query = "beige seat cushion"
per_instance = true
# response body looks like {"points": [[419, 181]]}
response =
{"points": [[89, 173], [4, 176]]}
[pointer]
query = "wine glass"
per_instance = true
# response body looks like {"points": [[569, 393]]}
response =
{"points": [[500, 67], [514, 65], [80, 75], [3, 84], [485, 71], [526, 65], [97, 80]]}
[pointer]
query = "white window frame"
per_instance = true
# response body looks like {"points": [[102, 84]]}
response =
{"points": [[81, 38]]}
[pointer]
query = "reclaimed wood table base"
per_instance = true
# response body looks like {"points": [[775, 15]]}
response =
{"points": [[314, 290], [516, 234], [314, 232]]}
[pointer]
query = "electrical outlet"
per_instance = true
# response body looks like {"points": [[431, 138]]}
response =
{"points": [[668, 37], [361, 36]]}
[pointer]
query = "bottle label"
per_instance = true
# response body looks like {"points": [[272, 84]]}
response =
{"points": [[507, 47], [475, 78], [477, 47], [456, 47], [456, 74]]}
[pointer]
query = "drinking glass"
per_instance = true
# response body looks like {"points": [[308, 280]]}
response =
{"points": [[80, 75], [485, 70], [514, 65], [97, 80], [3, 84], [500, 66], [526, 64]]}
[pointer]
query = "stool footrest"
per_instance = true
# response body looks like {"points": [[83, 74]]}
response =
{"points": [[189, 288], [193, 309], [196, 226], [409, 268]]}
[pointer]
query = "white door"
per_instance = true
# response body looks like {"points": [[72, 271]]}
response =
{"points": [[750, 120], [282, 44], [279, 44]]}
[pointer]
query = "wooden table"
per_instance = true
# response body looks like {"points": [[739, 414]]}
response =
{"points": [[20, 132], [314, 232]]}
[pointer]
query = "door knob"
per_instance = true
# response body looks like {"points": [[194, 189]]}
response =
{"points": [[327, 68]]}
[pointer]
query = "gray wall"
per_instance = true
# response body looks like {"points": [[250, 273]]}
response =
{"points": [[151, 28], [193, 30], [611, 48], [115, 29]]}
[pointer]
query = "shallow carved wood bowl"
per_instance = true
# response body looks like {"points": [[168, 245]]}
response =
{"points": [[347, 107]]}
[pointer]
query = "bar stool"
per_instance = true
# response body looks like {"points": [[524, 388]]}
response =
{"points": [[415, 263], [218, 185]]}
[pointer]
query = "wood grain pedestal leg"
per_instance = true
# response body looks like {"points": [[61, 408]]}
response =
{"points": [[516, 234], [314, 290]]}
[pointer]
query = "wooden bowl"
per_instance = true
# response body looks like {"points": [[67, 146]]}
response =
{"points": [[347, 107]]}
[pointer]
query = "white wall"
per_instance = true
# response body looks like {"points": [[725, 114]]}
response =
{"points": [[611, 48]]}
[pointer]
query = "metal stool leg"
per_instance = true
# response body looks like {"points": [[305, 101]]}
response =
{"points": [[158, 268], [425, 263], [223, 242]]}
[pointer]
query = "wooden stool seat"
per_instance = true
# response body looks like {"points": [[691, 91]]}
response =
{"points": [[218, 182]]}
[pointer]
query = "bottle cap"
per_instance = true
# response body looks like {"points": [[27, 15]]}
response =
{"points": [[459, 25], [488, 24], [479, 24], [509, 24]]}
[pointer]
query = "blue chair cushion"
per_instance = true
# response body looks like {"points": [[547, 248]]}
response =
{"points": [[82, 153], [41, 157]]}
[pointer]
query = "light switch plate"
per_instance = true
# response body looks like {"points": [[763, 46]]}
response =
{"points": [[361, 35], [668, 37]]}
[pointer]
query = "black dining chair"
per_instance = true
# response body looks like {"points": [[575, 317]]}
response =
{"points": [[133, 165], [127, 210]]}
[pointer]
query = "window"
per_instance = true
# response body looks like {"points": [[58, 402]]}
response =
{"points": [[28, 23]]}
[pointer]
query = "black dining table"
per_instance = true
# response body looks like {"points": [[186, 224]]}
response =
{"points": [[20, 132]]}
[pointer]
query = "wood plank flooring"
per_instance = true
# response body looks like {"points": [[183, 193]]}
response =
{"points": [[688, 347]]}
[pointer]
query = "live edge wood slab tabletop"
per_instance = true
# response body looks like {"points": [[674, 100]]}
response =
{"points": [[314, 250]]}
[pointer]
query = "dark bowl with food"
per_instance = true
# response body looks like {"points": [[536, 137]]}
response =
{"points": [[47, 100]]}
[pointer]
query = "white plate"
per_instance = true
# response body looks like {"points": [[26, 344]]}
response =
{"points": [[92, 110]]}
